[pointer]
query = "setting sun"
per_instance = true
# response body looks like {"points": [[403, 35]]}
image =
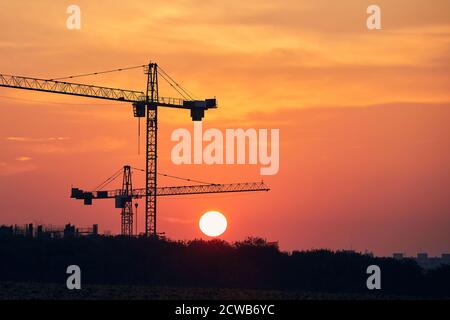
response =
{"points": [[213, 223]]}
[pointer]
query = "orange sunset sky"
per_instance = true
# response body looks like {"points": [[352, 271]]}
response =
{"points": [[364, 116]]}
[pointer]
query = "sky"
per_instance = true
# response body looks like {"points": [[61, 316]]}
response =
{"points": [[364, 116]]}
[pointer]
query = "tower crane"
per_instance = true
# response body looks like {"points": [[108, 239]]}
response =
{"points": [[124, 196], [145, 105]]}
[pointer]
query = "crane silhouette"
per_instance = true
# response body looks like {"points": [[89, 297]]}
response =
{"points": [[145, 105], [124, 196]]}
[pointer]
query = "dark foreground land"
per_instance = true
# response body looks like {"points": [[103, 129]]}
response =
{"points": [[52, 291], [124, 268]]}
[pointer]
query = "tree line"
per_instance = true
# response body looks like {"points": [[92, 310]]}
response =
{"points": [[250, 264]]}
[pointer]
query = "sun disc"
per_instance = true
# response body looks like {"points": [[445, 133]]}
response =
{"points": [[213, 223]]}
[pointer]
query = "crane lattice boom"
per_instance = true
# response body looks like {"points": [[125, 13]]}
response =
{"points": [[173, 191], [84, 90], [69, 88]]}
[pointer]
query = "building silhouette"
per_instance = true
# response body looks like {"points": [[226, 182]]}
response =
{"points": [[41, 231], [424, 260]]}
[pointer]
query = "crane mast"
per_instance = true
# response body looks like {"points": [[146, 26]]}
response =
{"points": [[151, 149], [127, 206]]}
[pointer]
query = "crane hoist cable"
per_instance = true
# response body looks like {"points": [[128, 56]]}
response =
{"points": [[178, 85], [180, 89], [139, 135], [191, 96], [118, 173], [97, 73], [175, 88], [175, 177], [109, 180]]}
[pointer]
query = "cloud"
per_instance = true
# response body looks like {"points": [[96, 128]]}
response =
{"points": [[176, 220], [92, 145], [23, 158], [19, 139], [29, 139]]}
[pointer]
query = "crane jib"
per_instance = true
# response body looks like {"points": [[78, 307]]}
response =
{"points": [[88, 196], [70, 88], [197, 107]]}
